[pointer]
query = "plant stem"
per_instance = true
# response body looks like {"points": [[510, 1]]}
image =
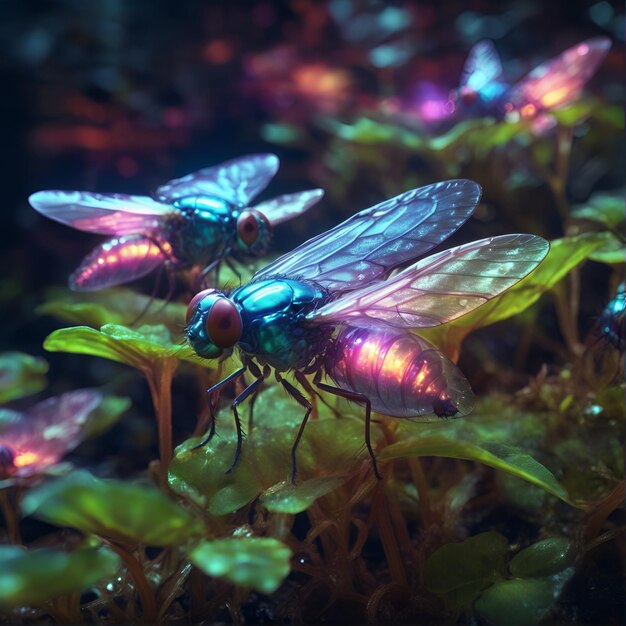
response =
{"points": [[600, 511], [148, 600], [419, 480], [175, 585], [567, 323], [10, 516], [160, 382], [387, 536]]}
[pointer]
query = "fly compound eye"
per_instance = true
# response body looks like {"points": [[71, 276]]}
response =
{"points": [[195, 302], [248, 228], [468, 95], [223, 323]]}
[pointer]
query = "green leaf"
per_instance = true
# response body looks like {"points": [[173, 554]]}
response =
{"points": [[593, 108], [138, 348], [116, 305], [544, 558], [521, 601], [460, 571], [330, 449], [368, 131], [564, 255], [605, 208], [499, 456], [285, 497], [282, 134], [21, 375], [30, 577], [521, 495], [575, 113], [105, 415], [459, 132], [480, 135], [258, 562], [113, 509], [613, 252], [612, 114]]}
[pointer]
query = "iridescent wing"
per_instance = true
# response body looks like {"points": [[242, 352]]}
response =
{"points": [[441, 287], [238, 181], [106, 214], [288, 206], [116, 262], [482, 66], [46, 432], [371, 243], [561, 80]]}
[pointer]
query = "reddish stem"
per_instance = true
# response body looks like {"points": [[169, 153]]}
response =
{"points": [[160, 382], [9, 510], [148, 600], [387, 535]]}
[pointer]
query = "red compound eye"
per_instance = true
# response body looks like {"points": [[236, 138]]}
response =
{"points": [[195, 301], [223, 323], [468, 95], [247, 228]]}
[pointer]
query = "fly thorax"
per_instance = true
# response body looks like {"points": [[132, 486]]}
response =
{"points": [[275, 331], [203, 230]]}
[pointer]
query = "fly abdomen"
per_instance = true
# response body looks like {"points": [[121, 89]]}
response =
{"points": [[118, 261], [402, 374]]}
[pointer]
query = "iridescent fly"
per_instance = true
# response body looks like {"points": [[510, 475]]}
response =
{"points": [[201, 219], [329, 307], [32, 441], [552, 84], [613, 319]]}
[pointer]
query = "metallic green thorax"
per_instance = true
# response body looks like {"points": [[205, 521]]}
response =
{"points": [[274, 331], [204, 230]]}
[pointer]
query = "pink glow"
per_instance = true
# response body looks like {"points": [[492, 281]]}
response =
{"points": [[401, 373], [431, 103], [45, 433]]}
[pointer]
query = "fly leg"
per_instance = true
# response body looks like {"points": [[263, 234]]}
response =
{"points": [[361, 399], [171, 281], [171, 285], [252, 388], [256, 372], [304, 381], [214, 265], [157, 284], [169, 268], [303, 402], [232, 268], [212, 396]]}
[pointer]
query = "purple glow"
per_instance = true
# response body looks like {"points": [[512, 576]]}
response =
{"points": [[430, 102]]}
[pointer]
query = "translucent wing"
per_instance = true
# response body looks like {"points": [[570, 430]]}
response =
{"points": [[116, 262], [561, 79], [106, 214], [441, 287], [237, 181], [42, 435], [290, 205], [482, 66], [371, 243]]}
